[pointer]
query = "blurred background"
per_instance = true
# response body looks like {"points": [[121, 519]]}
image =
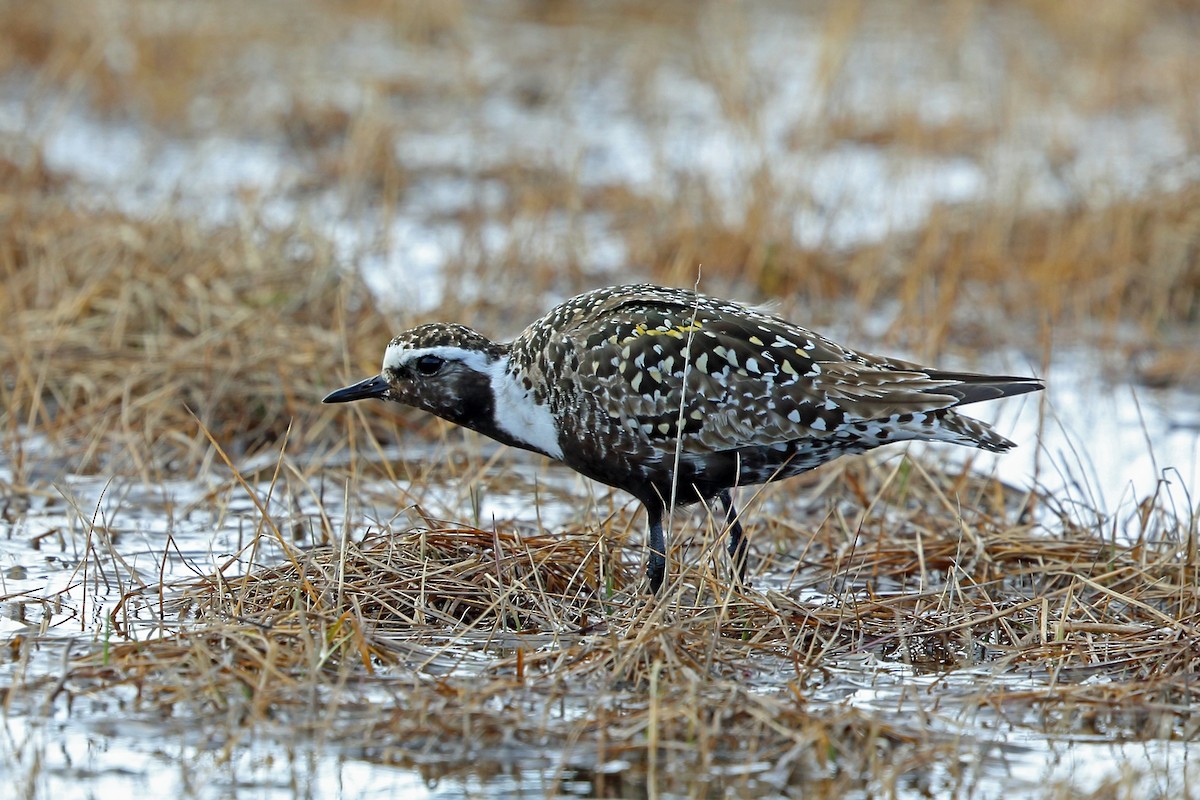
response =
{"points": [[993, 185]]}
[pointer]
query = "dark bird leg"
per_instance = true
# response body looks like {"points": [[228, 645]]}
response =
{"points": [[656, 564], [737, 540]]}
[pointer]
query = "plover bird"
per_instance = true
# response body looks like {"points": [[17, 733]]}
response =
{"points": [[676, 397]]}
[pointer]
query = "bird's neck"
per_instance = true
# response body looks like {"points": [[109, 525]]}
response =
{"points": [[516, 418]]}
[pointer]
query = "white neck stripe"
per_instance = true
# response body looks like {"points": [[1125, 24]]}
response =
{"points": [[518, 414]]}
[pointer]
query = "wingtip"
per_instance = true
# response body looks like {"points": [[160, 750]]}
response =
{"points": [[1025, 385], [975, 388]]}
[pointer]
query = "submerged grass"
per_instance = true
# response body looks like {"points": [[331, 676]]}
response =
{"points": [[455, 647], [432, 644]]}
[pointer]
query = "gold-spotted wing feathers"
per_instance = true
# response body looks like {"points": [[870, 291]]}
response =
{"points": [[742, 377]]}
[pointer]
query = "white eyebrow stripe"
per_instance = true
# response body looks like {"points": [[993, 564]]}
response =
{"points": [[397, 355]]}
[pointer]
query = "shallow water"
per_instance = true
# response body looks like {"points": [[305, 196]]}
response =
{"points": [[124, 759], [1105, 447], [56, 598]]}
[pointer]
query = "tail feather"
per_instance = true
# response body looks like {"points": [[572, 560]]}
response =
{"points": [[971, 432]]}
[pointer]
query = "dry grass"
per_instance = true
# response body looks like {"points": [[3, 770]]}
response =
{"points": [[436, 644], [119, 333], [167, 349], [1115, 261]]}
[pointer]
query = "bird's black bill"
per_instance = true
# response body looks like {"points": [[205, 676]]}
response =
{"points": [[363, 390]]}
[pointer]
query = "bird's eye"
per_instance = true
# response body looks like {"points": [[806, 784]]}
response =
{"points": [[429, 365]]}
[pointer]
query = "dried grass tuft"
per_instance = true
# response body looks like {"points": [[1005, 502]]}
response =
{"points": [[476, 637], [117, 331]]}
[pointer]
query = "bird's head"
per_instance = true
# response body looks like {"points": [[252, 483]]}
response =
{"points": [[441, 368]]}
